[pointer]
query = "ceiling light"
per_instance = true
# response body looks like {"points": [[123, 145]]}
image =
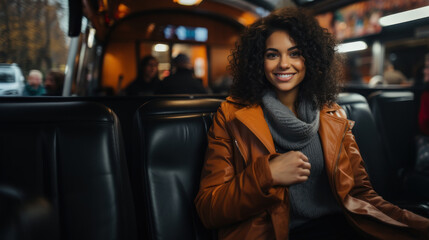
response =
{"points": [[406, 16], [351, 46], [161, 47], [188, 2]]}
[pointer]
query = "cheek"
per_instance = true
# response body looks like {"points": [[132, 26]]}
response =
{"points": [[298, 62], [300, 66], [269, 66], [303, 64]]}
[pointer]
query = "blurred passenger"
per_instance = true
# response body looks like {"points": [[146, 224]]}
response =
{"points": [[422, 145], [34, 85], [282, 161], [354, 68], [424, 102], [422, 162], [222, 84], [182, 81], [375, 81], [393, 76], [147, 80], [54, 83]]}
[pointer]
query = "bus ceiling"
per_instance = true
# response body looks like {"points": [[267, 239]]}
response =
{"points": [[103, 14]]}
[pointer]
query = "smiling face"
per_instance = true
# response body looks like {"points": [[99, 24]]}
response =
{"points": [[284, 66]]}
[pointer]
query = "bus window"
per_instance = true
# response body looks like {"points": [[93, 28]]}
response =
{"points": [[33, 36], [378, 53], [401, 53], [164, 29]]}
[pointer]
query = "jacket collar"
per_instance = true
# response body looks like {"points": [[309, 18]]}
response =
{"points": [[331, 130], [253, 118]]}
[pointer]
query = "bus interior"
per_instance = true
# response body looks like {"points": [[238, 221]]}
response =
{"points": [[95, 163]]}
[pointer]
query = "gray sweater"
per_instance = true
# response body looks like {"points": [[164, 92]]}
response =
{"points": [[313, 198]]}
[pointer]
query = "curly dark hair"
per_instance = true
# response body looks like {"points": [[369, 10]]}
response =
{"points": [[321, 83]]}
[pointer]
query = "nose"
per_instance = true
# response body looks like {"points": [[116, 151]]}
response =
{"points": [[284, 63]]}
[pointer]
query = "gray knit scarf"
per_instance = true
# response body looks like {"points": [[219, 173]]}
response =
{"points": [[288, 131]]}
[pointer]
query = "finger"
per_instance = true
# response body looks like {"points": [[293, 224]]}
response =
{"points": [[306, 165], [304, 172], [302, 178], [302, 156]]}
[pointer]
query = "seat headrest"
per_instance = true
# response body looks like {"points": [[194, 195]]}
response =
{"points": [[180, 106]]}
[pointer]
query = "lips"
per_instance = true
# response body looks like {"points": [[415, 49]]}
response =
{"points": [[284, 76]]}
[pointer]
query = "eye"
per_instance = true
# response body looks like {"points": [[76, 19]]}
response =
{"points": [[271, 55], [295, 53]]}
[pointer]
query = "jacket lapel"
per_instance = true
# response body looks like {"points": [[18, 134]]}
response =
{"points": [[253, 118], [331, 131]]}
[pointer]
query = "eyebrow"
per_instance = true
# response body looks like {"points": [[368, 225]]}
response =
{"points": [[276, 50]]}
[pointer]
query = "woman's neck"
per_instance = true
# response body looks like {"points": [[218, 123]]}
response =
{"points": [[288, 98]]}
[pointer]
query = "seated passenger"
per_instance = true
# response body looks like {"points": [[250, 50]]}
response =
{"points": [[424, 100], [422, 162], [34, 85], [282, 162], [222, 84], [393, 76], [182, 81], [147, 80], [424, 111]]}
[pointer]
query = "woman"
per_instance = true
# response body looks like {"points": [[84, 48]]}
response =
{"points": [[147, 80], [281, 160]]}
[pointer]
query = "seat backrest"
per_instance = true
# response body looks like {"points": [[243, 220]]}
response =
{"points": [[396, 118], [69, 154], [369, 142], [171, 140]]}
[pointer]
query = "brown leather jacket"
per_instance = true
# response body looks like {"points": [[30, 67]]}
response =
{"points": [[237, 195]]}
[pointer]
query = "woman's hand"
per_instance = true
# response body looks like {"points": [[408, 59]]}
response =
{"points": [[290, 168]]}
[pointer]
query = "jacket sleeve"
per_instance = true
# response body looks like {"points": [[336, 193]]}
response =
{"points": [[227, 196], [363, 190]]}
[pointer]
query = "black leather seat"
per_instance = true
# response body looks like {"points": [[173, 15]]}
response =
{"points": [[395, 114], [373, 145], [396, 118], [65, 161], [369, 142], [171, 139], [23, 218]]}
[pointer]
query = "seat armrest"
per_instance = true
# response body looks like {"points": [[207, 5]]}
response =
{"points": [[22, 219]]}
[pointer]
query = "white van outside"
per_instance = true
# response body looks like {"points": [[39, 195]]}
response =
{"points": [[11, 80]]}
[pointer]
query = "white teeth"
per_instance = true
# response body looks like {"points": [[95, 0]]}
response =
{"points": [[284, 75]]}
